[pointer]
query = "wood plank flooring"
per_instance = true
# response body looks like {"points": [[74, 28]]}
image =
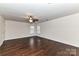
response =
{"points": [[36, 46]]}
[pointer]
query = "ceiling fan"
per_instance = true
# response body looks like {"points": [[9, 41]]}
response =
{"points": [[30, 18]]}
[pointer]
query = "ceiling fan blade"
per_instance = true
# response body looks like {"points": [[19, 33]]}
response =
{"points": [[35, 17], [25, 17]]}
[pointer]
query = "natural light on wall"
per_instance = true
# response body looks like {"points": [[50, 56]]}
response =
{"points": [[39, 1]]}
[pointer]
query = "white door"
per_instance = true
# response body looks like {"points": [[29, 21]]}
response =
{"points": [[2, 30]]}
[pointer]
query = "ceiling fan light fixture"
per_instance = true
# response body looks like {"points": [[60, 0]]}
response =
{"points": [[30, 20]]}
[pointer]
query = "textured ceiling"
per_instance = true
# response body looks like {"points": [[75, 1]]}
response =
{"points": [[45, 11]]}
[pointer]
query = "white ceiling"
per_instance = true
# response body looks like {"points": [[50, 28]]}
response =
{"points": [[45, 11]]}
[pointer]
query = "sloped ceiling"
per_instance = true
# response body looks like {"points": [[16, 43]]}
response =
{"points": [[45, 11]]}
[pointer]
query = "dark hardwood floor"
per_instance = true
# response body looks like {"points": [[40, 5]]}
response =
{"points": [[36, 46]]}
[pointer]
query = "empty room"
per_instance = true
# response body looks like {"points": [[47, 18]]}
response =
{"points": [[39, 29]]}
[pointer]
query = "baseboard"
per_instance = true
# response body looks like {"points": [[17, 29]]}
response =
{"points": [[20, 38], [46, 39], [59, 42]]}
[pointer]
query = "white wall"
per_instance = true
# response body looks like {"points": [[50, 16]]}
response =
{"points": [[2, 30], [16, 30], [65, 29]]}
